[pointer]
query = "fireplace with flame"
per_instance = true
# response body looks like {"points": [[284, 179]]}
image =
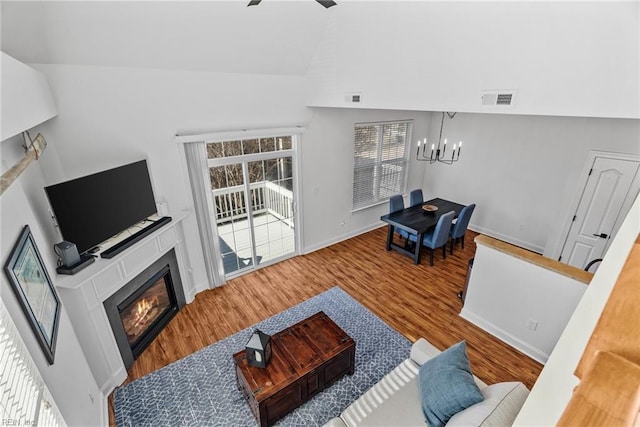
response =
{"points": [[143, 307], [142, 310]]}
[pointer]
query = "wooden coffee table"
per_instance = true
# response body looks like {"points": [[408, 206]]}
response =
{"points": [[306, 358]]}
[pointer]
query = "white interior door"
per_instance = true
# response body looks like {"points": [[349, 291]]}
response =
{"points": [[610, 184]]}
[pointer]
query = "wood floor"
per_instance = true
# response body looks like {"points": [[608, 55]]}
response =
{"points": [[416, 300]]}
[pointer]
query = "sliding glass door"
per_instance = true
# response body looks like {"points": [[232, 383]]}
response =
{"points": [[253, 193]]}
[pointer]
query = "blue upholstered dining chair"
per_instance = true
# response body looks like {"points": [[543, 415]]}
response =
{"points": [[460, 227], [415, 197], [439, 236], [396, 203]]}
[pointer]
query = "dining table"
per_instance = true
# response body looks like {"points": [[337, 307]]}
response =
{"points": [[418, 221]]}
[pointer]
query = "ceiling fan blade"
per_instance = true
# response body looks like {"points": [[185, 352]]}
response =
{"points": [[327, 3]]}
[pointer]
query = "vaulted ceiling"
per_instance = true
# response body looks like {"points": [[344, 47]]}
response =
{"points": [[570, 58], [275, 37]]}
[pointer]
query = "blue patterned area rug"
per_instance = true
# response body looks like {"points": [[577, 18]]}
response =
{"points": [[201, 390]]}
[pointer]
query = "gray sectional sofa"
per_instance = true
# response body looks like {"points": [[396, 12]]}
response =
{"points": [[396, 401]]}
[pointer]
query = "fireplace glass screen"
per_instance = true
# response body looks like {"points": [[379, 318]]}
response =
{"points": [[140, 312]]}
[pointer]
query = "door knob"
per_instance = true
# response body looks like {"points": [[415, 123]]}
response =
{"points": [[602, 235]]}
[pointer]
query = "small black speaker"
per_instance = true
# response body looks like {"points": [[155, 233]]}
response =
{"points": [[67, 252]]}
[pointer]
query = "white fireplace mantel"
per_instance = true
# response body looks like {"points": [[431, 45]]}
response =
{"points": [[84, 293]]}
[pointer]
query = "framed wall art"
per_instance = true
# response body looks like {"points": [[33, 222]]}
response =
{"points": [[33, 287]]}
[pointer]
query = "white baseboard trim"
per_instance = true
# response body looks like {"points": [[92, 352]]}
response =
{"points": [[531, 351], [477, 229], [505, 238], [104, 404], [114, 381], [190, 294], [341, 238]]}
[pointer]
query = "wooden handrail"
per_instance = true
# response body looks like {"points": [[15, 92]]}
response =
{"points": [[535, 258], [608, 395], [617, 328], [609, 390]]}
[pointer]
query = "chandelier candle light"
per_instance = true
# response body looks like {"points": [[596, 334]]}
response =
{"points": [[437, 153]]}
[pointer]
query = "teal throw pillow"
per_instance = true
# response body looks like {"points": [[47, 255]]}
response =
{"points": [[447, 386]]}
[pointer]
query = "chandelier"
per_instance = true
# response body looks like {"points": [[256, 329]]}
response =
{"points": [[439, 154]]}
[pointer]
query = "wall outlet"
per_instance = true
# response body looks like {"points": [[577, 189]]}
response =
{"points": [[162, 207], [532, 324]]}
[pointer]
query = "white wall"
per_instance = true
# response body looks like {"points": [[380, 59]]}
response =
{"points": [[506, 293], [554, 387], [111, 116], [327, 174], [26, 98], [69, 379], [563, 58], [522, 171]]}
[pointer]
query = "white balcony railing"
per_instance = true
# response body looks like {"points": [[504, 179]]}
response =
{"points": [[266, 197]]}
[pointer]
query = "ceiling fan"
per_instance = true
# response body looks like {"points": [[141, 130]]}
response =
{"points": [[325, 3]]}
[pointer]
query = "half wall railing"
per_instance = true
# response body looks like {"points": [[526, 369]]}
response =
{"points": [[265, 197]]}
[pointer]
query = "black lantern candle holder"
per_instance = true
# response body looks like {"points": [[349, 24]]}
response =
{"points": [[258, 349]]}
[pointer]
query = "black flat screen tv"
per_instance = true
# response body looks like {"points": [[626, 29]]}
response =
{"points": [[94, 208]]}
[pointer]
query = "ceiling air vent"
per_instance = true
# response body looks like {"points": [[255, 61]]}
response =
{"points": [[353, 97], [504, 98]]}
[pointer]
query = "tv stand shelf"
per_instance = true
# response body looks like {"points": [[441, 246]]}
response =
{"points": [[121, 246], [85, 260]]}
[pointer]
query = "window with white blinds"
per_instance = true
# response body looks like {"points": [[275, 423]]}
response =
{"points": [[380, 161], [24, 397]]}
